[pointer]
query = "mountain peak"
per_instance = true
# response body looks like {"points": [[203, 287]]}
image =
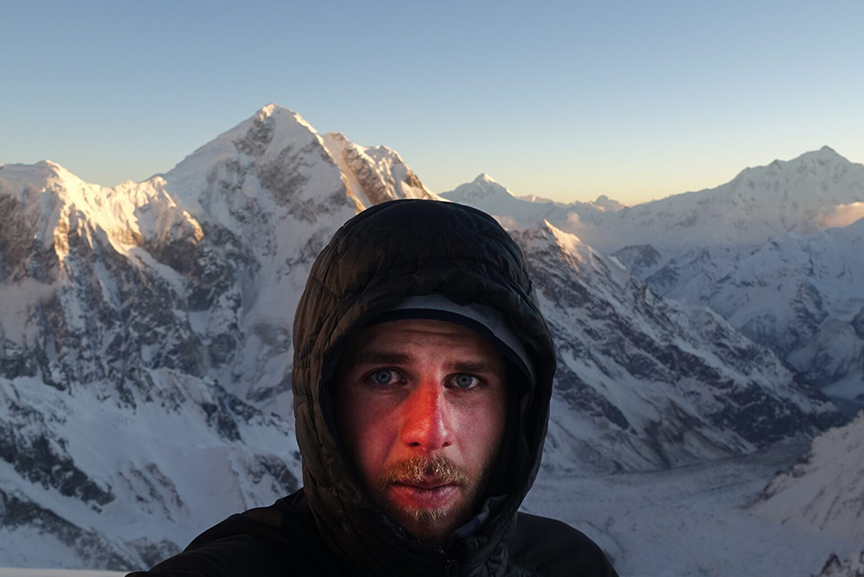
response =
{"points": [[484, 178], [543, 233], [265, 134], [41, 171], [489, 186], [605, 203], [483, 188], [805, 163], [280, 115], [824, 153], [268, 109]]}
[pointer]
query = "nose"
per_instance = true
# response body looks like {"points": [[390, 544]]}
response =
{"points": [[426, 416]]}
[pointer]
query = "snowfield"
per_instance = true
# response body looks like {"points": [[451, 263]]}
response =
{"points": [[689, 522]]}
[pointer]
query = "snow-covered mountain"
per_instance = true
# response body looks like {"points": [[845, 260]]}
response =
{"points": [[801, 295], [824, 491], [374, 173], [647, 383], [145, 345], [815, 191], [777, 251]]}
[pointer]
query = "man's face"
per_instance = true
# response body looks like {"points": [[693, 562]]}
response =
{"points": [[422, 407]]}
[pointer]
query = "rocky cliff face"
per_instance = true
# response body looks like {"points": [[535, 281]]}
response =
{"points": [[145, 346], [375, 174]]}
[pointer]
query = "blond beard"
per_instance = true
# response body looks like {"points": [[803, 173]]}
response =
{"points": [[416, 469]]}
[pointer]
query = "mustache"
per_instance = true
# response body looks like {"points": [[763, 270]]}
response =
{"points": [[418, 469]]}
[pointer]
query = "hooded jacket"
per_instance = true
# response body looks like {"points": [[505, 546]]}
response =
{"points": [[392, 251]]}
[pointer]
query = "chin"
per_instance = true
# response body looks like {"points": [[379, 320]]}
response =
{"points": [[432, 525]]}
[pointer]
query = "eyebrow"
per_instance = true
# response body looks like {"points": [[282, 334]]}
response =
{"points": [[366, 358], [380, 358], [473, 367]]}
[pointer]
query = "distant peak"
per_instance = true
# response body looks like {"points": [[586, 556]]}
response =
{"points": [[824, 153], [483, 177], [482, 188], [488, 186], [268, 110], [605, 203]]}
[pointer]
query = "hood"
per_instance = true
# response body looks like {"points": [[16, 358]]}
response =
{"points": [[390, 252]]}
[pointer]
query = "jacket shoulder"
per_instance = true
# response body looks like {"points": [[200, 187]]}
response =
{"points": [[268, 541], [226, 557], [545, 547]]}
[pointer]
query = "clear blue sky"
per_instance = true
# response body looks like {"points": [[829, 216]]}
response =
{"points": [[567, 100]]}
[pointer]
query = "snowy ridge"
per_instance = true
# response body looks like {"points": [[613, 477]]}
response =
{"points": [[812, 192], [823, 491], [128, 215], [374, 174], [645, 383]]}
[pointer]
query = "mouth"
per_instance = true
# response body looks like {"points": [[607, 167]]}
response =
{"points": [[426, 483], [429, 493]]}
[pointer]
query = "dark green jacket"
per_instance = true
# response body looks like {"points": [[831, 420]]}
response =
{"points": [[392, 251]]}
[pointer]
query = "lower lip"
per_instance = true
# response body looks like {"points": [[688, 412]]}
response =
{"points": [[423, 498]]}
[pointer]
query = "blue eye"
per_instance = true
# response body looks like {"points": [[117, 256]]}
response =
{"points": [[465, 381], [383, 377]]}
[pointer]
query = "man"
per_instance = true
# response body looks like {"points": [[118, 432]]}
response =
{"points": [[422, 379]]}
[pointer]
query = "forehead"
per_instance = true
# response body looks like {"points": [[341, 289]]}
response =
{"points": [[420, 337]]}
